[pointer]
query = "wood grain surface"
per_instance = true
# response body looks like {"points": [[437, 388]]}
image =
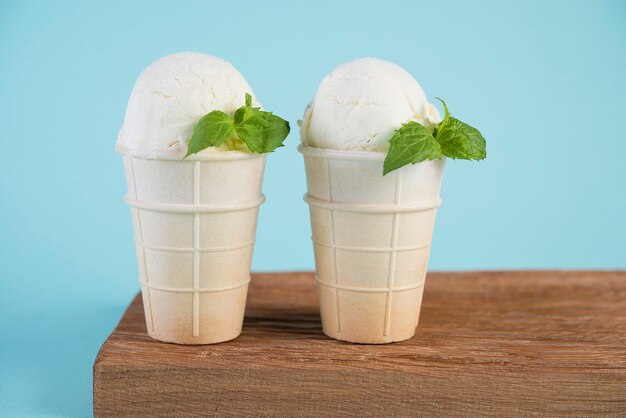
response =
{"points": [[543, 343]]}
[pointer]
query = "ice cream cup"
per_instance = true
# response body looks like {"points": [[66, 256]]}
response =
{"points": [[194, 226], [371, 237]]}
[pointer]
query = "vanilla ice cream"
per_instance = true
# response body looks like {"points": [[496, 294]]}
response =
{"points": [[360, 104], [169, 98]]}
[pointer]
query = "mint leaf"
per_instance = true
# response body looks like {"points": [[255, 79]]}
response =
{"points": [[210, 131], [261, 131], [412, 143], [459, 140]]}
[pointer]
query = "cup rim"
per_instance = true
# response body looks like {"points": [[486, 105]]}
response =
{"points": [[341, 154], [168, 155]]}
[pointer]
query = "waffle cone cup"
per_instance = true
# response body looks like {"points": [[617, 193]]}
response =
{"points": [[194, 227], [371, 237]]}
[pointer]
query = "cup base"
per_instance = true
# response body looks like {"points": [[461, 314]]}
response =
{"points": [[363, 339], [173, 339]]}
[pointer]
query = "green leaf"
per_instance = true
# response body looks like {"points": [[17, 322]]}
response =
{"points": [[462, 141], [261, 131], [210, 131], [410, 144], [459, 140]]}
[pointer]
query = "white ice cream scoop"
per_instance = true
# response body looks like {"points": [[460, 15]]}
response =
{"points": [[169, 98], [360, 104]]}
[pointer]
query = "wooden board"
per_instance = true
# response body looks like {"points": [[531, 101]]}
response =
{"points": [[489, 344]]}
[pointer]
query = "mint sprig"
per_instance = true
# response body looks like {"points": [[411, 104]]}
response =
{"points": [[259, 130], [413, 143]]}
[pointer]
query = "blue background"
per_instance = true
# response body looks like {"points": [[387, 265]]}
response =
{"points": [[544, 81]]}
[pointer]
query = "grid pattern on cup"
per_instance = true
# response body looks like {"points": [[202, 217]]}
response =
{"points": [[390, 287], [196, 254], [371, 289], [334, 245], [142, 254], [196, 208], [392, 262]]}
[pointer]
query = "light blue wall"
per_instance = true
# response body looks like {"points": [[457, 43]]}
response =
{"points": [[543, 80]]}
